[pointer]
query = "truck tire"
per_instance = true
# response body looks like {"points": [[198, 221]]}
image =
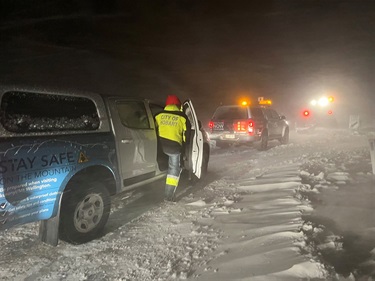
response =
{"points": [[222, 144], [84, 212], [264, 140], [285, 138]]}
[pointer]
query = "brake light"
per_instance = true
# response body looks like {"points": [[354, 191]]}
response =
{"points": [[244, 126], [306, 113], [211, 125], [251, 127]]}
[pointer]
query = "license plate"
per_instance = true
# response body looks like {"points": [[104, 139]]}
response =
{"points": [[219, 126], [231, 136]]}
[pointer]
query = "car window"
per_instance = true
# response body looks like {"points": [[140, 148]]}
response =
{"points": [[256, 113], [274, 114], [271, 114], [133, 114], [155, 109], [230, 112], [26, 112]]}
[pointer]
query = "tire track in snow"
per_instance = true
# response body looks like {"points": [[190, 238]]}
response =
{"points": [[265, 236]]}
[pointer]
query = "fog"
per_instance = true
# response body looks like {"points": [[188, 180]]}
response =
{"points": [[210, 51]]}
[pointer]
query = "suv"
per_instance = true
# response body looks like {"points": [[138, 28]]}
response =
{"points": [[62, 156], [232, 124]]}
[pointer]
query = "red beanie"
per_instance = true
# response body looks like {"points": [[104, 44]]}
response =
{"points": [[173, 99]]}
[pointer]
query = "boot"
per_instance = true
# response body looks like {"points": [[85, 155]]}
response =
{"points": [[169, 192]]}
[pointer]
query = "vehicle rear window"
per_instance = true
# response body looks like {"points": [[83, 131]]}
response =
{"points": [[230, 112], [23, 112]]}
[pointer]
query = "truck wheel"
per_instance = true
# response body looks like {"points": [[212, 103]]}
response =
{"points": [[84, 212], [285, 138], [221, 144], [264, 141]]}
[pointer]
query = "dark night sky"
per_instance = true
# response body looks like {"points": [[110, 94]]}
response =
{"points": [[211, 51]]}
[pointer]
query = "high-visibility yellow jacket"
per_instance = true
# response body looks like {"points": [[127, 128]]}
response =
{"points": [[173, 127]]}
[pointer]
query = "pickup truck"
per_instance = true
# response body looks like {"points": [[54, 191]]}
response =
{"points": [[64, 154]]}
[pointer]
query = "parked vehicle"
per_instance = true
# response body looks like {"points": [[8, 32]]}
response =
{"points": [[232, 124], [320, 112], [62, 156]]}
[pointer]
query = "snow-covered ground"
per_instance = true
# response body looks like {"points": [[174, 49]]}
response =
{"points": [[280, 214]]}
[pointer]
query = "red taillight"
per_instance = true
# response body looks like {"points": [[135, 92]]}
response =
{"points": [[244, 126], [251, 127], [306, 113], [211, 124]]}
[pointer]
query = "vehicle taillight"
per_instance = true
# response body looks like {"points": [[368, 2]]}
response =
{"points": [[251, 127], [211, 125], [244, 126], [306, 113]]}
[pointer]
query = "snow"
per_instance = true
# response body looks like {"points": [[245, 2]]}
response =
{"points": [[247, 220]]}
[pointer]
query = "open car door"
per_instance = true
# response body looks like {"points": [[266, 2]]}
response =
{"points": [[194, 150]]}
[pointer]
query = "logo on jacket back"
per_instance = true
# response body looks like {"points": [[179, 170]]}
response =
{"points": [[169, 120]]}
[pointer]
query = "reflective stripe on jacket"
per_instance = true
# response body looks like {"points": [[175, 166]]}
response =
{"points": [[172, 124]]}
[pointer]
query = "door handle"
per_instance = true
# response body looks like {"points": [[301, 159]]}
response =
{"points": [[126, 141]]}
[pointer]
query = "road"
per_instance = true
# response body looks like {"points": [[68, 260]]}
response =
{"points": [[256, 215]]}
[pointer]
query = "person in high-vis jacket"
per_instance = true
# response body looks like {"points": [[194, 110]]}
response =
{"points": [[173, 129]]}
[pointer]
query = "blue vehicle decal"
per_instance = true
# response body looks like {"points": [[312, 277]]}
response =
{"points": [[33, 176]]}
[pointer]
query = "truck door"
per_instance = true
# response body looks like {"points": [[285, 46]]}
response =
{"points": [[135, 140], [194, 151], [278, 122], [272, 122]]}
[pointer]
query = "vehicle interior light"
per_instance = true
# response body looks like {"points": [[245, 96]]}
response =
{"points": [[240, 126]]}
